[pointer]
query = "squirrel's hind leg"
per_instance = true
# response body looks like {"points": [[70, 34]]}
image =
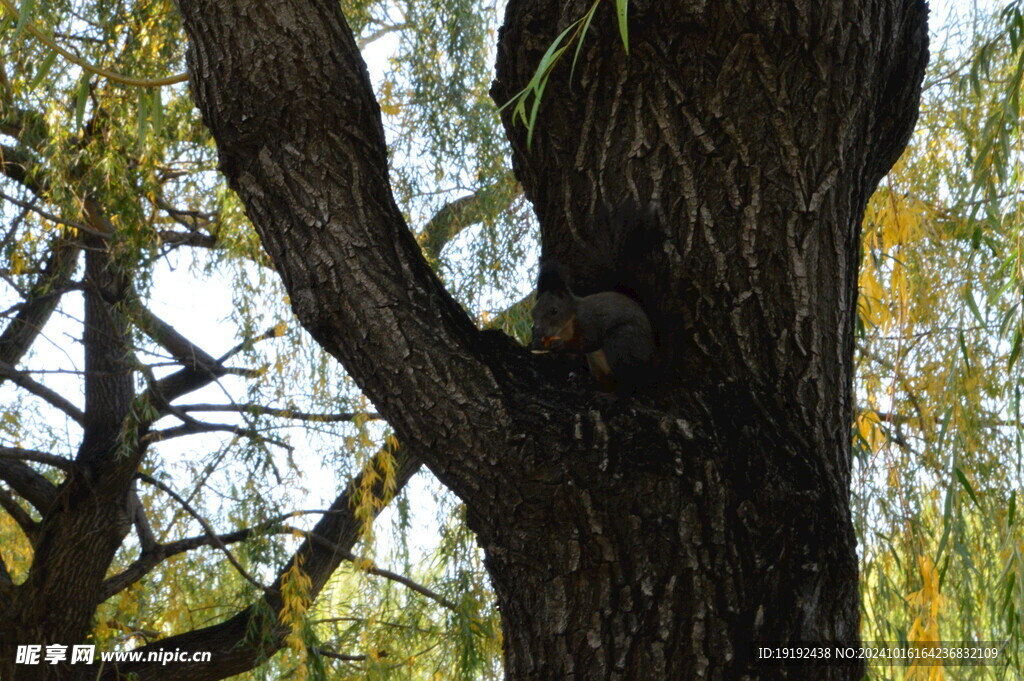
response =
{"points": [[599, 367]]}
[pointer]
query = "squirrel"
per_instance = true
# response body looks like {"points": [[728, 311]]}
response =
{"points": [[611, 329]]}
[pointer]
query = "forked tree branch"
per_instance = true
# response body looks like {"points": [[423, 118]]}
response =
{"points": [[313, 175], [214, 537], [158, 553]]}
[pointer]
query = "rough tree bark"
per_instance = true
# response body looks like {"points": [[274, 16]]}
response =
{"points": [[720, 171]]}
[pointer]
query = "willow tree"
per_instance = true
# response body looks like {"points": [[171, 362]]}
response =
{"points": [[719, 170], [115, 465]]}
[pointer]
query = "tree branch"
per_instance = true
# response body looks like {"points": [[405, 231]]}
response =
{"points": [[28, 483], [37, 456], [19, 335], [158, 553], [147, 539], [25, 381], [196, 427], [317, 192], [214, 537], [272, 332], [53, 218], [22, 331], [190, 219], [260, 410], [86, 66], [197, 239], [200, 368], [181, 348], [154, 553], [380, 33], [338, 656], [20, 515], [463, 212], [234, 649], [380, 572]]}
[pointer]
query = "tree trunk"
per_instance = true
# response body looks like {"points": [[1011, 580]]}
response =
{"points": [[720, 172], [89, 515]]}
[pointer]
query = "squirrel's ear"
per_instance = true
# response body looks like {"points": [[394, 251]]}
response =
{"points": [[552, 278]]}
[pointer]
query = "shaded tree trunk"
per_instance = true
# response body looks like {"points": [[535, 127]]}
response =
{"points": [[720, 171]]}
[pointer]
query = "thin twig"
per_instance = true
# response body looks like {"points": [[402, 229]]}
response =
{"points": [[206, 528], [260, 410], [380, 572], [53, 218]]}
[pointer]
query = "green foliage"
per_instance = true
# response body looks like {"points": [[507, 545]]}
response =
{"points": [[531, 95]]}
